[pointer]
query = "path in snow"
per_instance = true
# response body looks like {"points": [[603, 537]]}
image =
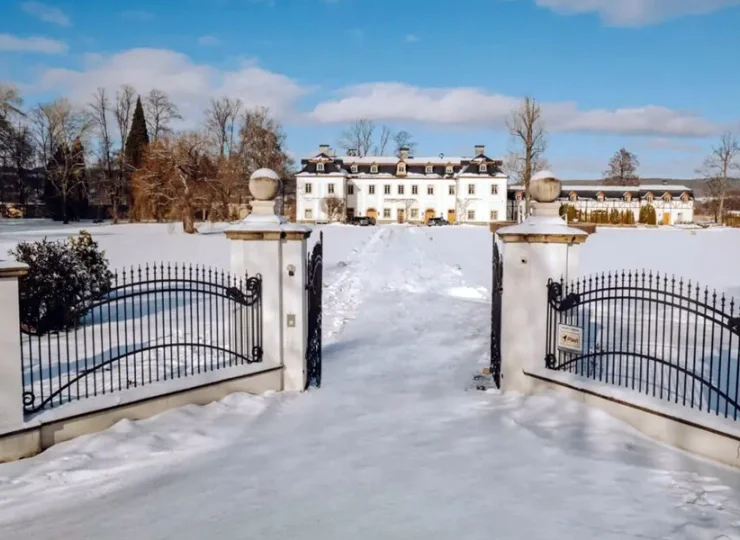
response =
{"points": [[391, 447]]}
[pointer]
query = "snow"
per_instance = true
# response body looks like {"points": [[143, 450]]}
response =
{"points": [[392, 445]]}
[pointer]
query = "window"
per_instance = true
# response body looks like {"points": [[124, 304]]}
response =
{"points": [[401, 168], [449, 169], [308, 188], [471, 215], [429, 169], [386, 213], [330, 187], [400, 190], [387, 189], [371, 189], [354, 169], [482, 167], [319, 167], [308, 213], [430, 190], [452, 190], [494, 215], [350, 189], [471, 189], [415, 213], [373, 169], [494, 189], [414, 189]]}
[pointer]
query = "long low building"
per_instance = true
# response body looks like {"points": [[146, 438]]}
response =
{"points": [[673, 204], [401, 188]]}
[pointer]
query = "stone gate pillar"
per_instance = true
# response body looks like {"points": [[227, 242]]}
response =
{"points": [[542, 247], [11, 369], [265, 243]]}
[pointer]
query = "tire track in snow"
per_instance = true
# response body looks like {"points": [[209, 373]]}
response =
{"points": [[342, 295]]}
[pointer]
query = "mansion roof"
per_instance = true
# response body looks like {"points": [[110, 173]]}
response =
{"points": [[594, 191], [405, 166]]}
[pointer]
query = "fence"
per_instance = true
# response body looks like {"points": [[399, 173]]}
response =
{"points": [[155, 323], [650, 333]]}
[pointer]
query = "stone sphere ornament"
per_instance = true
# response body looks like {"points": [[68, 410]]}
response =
{"points": [[264, 184], [544, 187]]}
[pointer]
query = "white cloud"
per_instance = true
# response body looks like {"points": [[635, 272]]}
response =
{"points": [[189, 84], [412, 38], [46, 13], [209, 41], [476, 108], [637, 12], [12, 43]]}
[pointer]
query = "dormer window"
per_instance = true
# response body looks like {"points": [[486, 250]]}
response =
{"points": [[353, 168], [649, 197], [667, 197], [373, 169], [429, 169], [401, 169], [449, 169], [319, 167], [482, 167], [685, 197], [573, 196], [600, 196], [628, 196]]}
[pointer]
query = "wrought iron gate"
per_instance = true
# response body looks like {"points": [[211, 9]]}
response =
{"points": [[652, 333], [314, 284], [497, 272]]}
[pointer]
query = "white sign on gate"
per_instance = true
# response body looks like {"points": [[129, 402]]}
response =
{"points": [[570, 338]]}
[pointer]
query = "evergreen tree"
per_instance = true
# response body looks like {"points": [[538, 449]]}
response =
{"points": [[138, 138]]}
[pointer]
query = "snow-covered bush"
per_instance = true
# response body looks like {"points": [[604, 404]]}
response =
{"points": [[64, 278]]}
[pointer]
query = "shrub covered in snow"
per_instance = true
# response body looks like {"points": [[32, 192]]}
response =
{"points": [[64, 278]]}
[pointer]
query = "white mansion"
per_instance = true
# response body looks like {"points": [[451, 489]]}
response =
{"points": [[462, 190], [673, 203], [401, 189]]}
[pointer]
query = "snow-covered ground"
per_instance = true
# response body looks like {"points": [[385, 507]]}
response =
{"points": [[392, 446]]}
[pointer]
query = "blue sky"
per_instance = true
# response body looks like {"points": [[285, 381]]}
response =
{"points": [[656, 76]]}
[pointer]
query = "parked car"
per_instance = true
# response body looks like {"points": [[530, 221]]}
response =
{"points": [[437, 222], [362, 221]]}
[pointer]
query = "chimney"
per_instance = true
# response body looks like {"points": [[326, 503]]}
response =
{"points": [[324, 149], [404, 151], [480, 149]]}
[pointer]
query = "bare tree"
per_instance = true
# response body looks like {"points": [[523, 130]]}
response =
{"points": [[176, 177], [358, 137], [383, 140], [262, 143], [513, 166], [622, 169], [718, 168], [527, 129], [123, 111], [160, 112], [100, 110], [60, 130], [403, 139], [221, 118], [11, 100], [333, 206]]}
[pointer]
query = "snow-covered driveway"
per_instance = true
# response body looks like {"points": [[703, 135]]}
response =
{"points": [[392, 447]]}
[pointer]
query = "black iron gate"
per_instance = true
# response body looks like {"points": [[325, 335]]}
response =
{"points": [[314, 284], [497, 272], [652, 333]]}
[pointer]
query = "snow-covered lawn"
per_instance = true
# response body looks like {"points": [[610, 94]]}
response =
{"points": [[392, 446]]}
